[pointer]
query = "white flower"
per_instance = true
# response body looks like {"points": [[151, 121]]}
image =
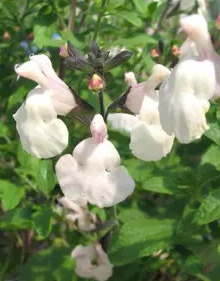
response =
{"points": [[85, 257], [199, 45], [93, 174], [86, 220], [149, 142], [183, 99], [40, 70], [139, 90], [41, 133]]}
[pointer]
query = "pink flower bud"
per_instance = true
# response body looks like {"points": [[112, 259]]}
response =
{"points": [[175, 50], [154, 53], [63, 51], [217, 22], [95, 83]]}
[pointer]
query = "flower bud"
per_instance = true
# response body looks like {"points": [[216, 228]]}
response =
{"points": [[63, 51], [95, 83], [6, 35], [154, 53], [175, 50], [217, 22]]}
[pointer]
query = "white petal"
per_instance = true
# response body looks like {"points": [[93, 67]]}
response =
{"points": [[96, 157], [70, 180], [93, 175], [150, 142], [183, 99], [196, 28], [31, 70], [45, 65], [122, 121], [130, 78], [41, 133], [84, 267], [62, 98], [110, 188], [139, 91]]}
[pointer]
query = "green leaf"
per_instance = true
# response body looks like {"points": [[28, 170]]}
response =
{"points": [[19, 218], [131, 17], [214, 132], [210, 208], [29, 163], [45, 176], [4, 130], [42, 220], [49, 265], [137, 40], [10, 194], [212, 156], [140, 238], [189, 262], [141, 6]]}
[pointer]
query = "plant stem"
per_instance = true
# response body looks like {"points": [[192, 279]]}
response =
{"points": [[72, 15], [163, 15], [101, 104], [101, 14]]}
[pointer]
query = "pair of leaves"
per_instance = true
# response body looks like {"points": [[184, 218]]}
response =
{"points": [[98, 60]]}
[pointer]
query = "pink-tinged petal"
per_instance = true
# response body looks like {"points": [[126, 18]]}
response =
{"points": [[98, 129], [41, 133], [84, 257], [139, 91], [130, 79]]}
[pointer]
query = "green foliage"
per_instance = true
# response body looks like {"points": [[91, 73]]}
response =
{"points": [[169, 228]]}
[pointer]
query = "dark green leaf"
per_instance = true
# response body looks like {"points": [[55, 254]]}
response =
{"points": [[140, 238], [45, 176], [42, 220]]}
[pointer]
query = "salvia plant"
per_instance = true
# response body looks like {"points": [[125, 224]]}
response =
{"points": [[104, 177]]}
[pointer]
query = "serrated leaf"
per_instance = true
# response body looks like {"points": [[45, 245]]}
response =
{"points": [[42, 220], [140, 238], [131, 17], [210, 208], [46, 179], [10, 194]]}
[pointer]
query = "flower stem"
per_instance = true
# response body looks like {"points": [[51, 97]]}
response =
{"points": [[163, 15], [72, 15], [101, 14], [101, 104]]}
